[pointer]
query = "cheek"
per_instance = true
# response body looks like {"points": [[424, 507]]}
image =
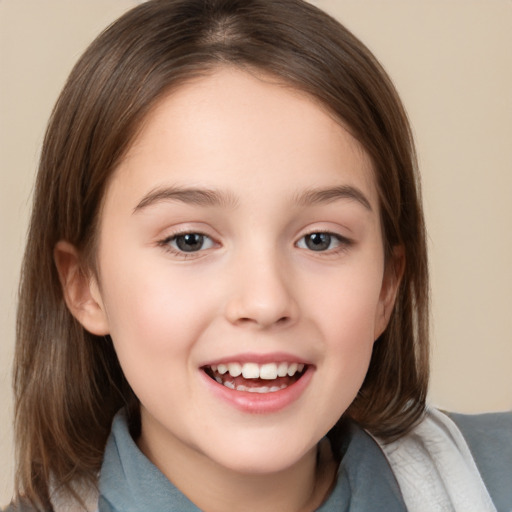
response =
{"points": [[349, 334], [149, 299], [152, 331], [346, 302], [155, 318], [345, 312]]}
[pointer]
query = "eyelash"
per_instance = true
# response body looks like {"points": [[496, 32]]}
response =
{"points": [[166, 244], [343, 243]]}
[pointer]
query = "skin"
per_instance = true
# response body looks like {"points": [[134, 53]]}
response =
{"points": [[254, 287]]}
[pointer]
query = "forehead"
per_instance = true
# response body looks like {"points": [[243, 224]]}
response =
{"points": [[232, 128]]}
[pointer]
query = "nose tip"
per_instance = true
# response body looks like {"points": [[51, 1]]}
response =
{"points": [[261, 299]]}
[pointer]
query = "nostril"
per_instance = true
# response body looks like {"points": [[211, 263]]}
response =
{"points": [[247, 321]]}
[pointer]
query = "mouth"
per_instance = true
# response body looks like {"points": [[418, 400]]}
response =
{"points": [[252, 377]]}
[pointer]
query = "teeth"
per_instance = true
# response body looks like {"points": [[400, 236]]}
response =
{"points": [[251, 371], [267, 371], [263, 389], [282, 370], [235, 369], [292, 369], [260, 389]]}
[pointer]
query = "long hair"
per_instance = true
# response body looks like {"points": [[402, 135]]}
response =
{"points": [[68, 383]]}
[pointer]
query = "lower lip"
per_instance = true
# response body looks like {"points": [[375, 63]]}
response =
{"points": [[260, 403]]}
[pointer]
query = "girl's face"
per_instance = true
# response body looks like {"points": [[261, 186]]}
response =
{"points": [[241, 273]]}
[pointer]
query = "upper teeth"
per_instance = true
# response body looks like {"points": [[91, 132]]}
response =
{"points": [[267, 371]]}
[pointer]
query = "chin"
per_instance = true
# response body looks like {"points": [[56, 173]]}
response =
{"points": [[260, 458]]}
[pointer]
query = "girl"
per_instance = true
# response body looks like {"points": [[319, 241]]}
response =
{"points": [[224, 299]]}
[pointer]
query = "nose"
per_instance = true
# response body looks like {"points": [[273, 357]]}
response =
{"points": [[260, 293]]}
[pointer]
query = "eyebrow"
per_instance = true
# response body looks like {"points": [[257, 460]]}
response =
{"points": [[330, 194], [209, 197], [197, 196]]}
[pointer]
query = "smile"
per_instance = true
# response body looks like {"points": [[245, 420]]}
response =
{"points": [[256, 378]]}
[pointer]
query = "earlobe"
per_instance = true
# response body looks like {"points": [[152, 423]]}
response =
{"points": [[392, 278], [80, 290]]}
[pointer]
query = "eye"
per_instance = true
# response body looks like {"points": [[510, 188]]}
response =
{"points": [[321, 241], [189, 242]]}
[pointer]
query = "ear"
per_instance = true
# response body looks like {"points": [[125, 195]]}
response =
{"points": [[391, 280], [80, 290]]}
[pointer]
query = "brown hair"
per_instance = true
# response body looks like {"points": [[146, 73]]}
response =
{"points": [[68, 383]]}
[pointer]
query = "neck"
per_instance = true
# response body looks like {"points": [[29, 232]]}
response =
{"points": [[213, 488]]}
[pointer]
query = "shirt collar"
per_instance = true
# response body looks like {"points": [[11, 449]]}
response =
{"points": [[129, 482]]}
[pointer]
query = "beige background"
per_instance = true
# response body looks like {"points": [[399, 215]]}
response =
{"points": [[451, 61]]}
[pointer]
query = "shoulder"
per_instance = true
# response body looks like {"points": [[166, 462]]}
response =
{"points": [[488, 429], [462, 461], [489, 438]]}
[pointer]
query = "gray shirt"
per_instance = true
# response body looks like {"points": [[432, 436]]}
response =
{"points": [[129, 482]]}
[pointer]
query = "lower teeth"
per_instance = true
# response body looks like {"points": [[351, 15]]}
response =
{"points": [[241, 387]]}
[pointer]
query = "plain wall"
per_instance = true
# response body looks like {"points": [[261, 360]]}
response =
{"points": [[451, 62]]}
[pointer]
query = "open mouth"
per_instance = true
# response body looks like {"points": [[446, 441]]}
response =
{"points": [[256, 378]]}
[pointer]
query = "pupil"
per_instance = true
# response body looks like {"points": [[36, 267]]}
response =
{"points": [[190, 242], [318, 241]]}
